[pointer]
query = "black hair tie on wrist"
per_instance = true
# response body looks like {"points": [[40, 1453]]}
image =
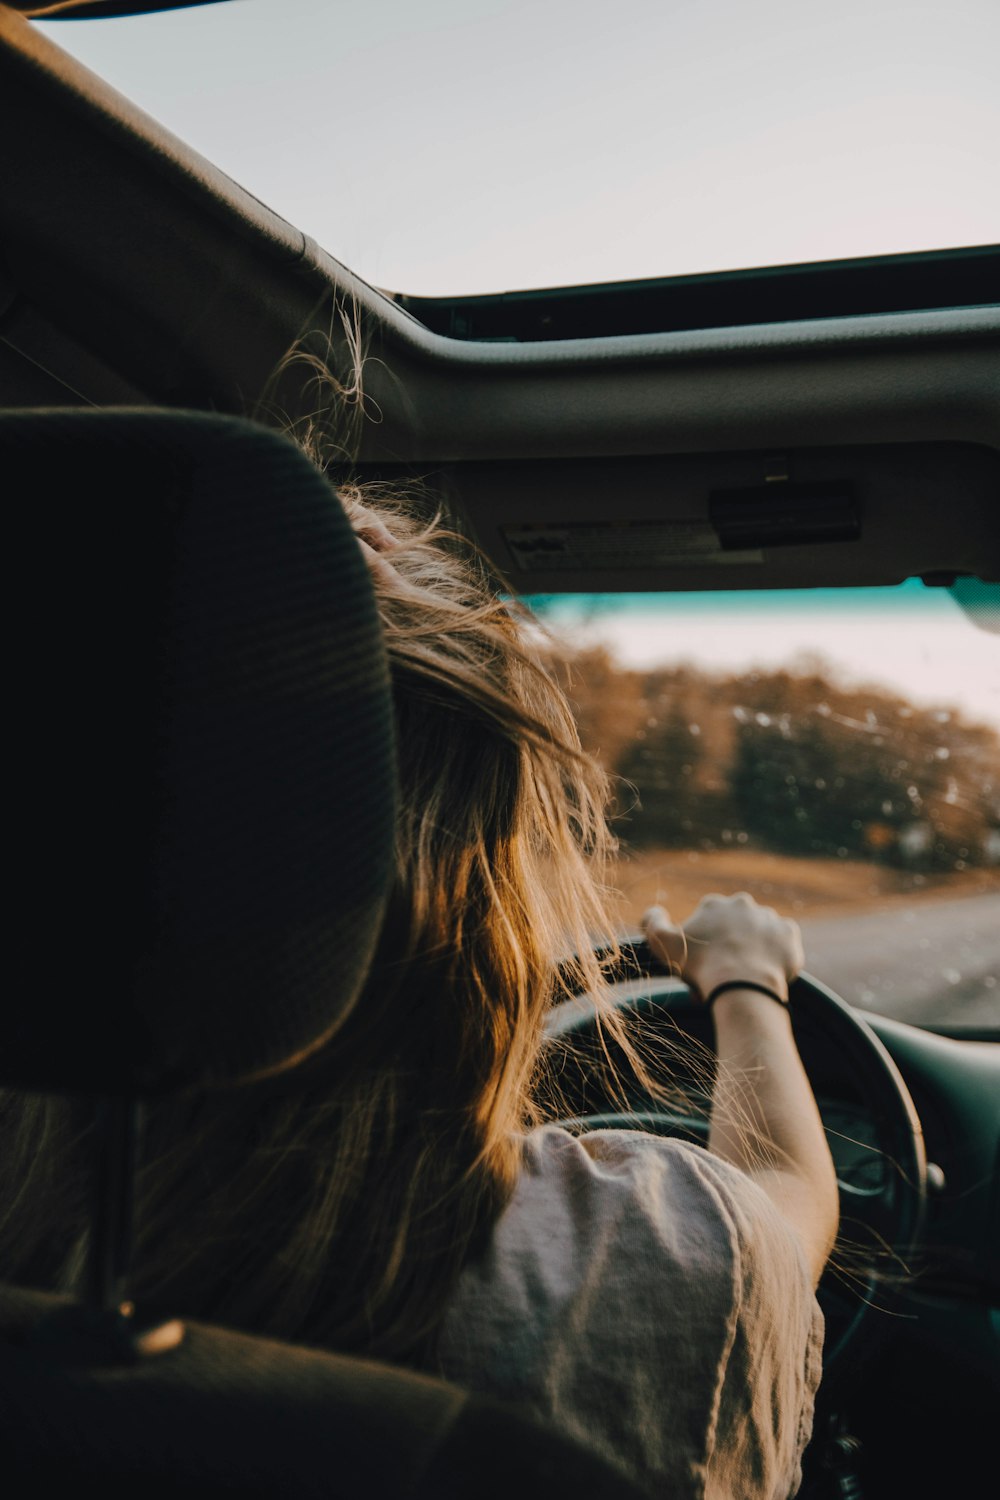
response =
{"points": [[744, 984]]}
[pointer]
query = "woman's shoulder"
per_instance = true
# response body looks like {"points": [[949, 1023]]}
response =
{"points": [[632, 1274], [595, 1216], [636, 1177], [660, 1207]]}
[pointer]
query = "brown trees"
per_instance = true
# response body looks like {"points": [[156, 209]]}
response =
{"points": [[789, 761]]}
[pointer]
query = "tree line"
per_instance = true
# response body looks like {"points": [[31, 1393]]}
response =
{"points": [[788, 760]]}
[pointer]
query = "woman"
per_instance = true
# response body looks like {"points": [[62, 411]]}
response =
{"points": [[399, 1192]]}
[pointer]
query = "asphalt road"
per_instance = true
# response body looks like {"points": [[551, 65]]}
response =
{"points": [[934, 961]]}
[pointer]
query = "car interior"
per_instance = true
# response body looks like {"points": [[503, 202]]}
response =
{"points": [[831, 426]]}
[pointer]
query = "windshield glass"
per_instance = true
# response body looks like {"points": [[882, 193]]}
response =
{"points": [[472, 146], [834, 752]]}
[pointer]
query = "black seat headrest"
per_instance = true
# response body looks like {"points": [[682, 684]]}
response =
{"points": [[202, 776]]}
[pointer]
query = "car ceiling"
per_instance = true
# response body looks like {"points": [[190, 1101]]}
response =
{"points": [[132, 271]]}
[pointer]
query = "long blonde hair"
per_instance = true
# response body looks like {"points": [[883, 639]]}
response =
{"points": [[338, 1203]]}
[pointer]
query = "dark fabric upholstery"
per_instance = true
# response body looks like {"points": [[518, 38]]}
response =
{"points": [[228, 1414], [200, 751]]}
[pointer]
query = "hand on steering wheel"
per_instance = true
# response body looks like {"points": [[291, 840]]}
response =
{"points": [[726, 939]]}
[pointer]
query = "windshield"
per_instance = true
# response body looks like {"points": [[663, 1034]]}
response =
{"points": [[474, 146], [834, 752]]}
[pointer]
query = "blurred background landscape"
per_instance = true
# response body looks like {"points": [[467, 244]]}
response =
{"points": [[873, 821]]}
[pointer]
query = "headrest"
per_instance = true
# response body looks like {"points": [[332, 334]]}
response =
{"points": [[201, 779]]}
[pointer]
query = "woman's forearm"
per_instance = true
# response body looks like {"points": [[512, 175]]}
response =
{"points": [[765, 1120]]}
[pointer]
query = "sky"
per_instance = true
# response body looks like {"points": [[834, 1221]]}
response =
{"points": [[464, 146]]}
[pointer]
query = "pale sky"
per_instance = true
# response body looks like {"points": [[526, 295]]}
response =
{"points": [[461, 146]]}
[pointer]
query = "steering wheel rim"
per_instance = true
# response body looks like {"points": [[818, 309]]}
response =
{"points": [[890, 1219]]}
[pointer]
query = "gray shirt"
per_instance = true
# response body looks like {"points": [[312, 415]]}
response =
{"points": [[648, 1299]]}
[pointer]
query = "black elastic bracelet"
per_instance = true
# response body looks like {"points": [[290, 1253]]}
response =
{"points": [[744, 984]]}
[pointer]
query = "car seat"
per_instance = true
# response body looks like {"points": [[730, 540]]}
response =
{"points": [[201, 783]]}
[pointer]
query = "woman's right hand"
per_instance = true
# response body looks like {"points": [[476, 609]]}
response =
{"points": [[727, 938]]}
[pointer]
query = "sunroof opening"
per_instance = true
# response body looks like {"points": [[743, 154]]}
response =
{"points": [[918, 282], [463, 147]]}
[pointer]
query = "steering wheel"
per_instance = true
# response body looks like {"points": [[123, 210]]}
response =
{"points": [[882, 1175]]}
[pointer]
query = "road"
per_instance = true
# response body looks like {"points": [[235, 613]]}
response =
{"points": [[934, 961]]}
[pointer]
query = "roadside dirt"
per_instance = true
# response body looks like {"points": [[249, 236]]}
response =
{"points": [[678, 878]]}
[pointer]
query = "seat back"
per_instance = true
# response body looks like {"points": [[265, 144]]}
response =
{"points": [[227, 1414], [202, 837]]}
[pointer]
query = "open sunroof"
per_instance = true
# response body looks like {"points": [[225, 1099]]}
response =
{"points": [[968, 277]]}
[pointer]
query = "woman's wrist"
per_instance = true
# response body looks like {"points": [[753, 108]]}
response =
{"points": [[770, 978], [777, 994]]}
